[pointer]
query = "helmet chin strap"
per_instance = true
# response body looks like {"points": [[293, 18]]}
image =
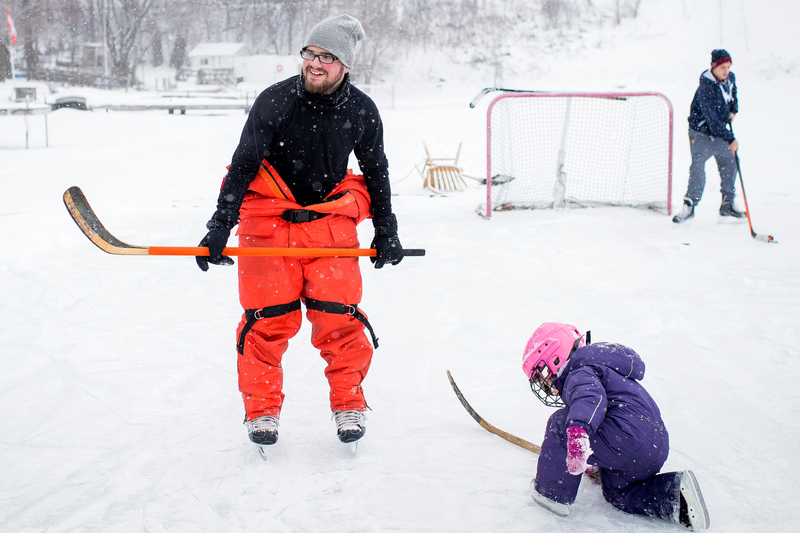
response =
{"points": [[588, 336]]}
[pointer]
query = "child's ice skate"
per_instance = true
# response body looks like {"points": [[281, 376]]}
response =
{"points": [[558, 508], [693, 512]]}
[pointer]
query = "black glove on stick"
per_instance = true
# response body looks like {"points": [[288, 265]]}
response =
{"points": [[386, 242], [219, 229], [216, 240]]}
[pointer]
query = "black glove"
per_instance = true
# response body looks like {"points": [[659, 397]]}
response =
{"points": [[215, 239], [386, 242]]}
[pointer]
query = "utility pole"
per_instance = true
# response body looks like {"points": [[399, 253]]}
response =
{"points": [[105, 42]]}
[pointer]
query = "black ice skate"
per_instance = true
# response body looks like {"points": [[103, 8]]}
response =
{"points": [[728, 213], [263, 431], [350, 426]]}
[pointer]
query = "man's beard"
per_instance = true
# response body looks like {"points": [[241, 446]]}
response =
{"points": [[322, 88]]}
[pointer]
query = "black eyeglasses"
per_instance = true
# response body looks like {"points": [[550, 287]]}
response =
{"points": [[308, 55]]}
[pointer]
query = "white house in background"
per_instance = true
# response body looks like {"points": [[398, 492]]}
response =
{"points": [[212, 63], [229, 63], [264, 70], [215, 55]]}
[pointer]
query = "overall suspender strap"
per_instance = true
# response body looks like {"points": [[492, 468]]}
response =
{"points": [[253, 315], [277, 188], [342, 309]]}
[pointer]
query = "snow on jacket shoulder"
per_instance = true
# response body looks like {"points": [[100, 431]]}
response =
{"points": [[710, 109], [601, 381]]}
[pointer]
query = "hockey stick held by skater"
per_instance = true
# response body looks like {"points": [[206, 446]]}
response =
{"points": [[756, 236], [90, 225]]}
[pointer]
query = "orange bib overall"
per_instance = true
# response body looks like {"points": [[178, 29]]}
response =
{"points": [[271, 289]]}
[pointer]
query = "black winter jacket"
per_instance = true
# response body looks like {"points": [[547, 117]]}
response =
{"points": [[710, 111], [308, 138]]}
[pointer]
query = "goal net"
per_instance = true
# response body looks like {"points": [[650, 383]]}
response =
{"points": [[579, 149]]}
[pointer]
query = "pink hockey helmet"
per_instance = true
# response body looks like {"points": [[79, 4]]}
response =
{"points": [[548, 350]]}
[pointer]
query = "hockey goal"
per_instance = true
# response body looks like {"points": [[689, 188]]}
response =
{"points": [[548, 149]]}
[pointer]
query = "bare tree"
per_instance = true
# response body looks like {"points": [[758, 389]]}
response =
{"points": [[123, 21], [381, 27], [28, 21], [157, 46], [476, 32]]}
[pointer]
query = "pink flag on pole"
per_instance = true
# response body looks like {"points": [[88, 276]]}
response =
{"points": [[11, 28]]}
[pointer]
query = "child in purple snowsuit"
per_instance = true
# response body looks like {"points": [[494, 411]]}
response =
{"points": [[609, 423]]}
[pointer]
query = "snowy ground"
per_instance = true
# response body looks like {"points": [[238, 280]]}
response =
{"points": [[118, 398]]}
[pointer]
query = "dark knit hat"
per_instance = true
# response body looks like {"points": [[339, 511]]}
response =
{"points": [[720, 56], [337, 35]]}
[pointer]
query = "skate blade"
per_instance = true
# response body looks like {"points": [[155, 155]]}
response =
{"points": [[262, 451], [698, 512], [554, 507], [353, 447], [731, 220]]}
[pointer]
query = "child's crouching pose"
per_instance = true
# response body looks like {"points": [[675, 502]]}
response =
{"points": [[608, 422]]}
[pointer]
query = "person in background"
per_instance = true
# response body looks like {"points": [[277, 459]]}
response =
{"points": [[608, 423], [288, 185], [714, 106]]}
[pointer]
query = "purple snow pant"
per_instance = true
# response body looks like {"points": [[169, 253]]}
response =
{"points": [[629, 454]]}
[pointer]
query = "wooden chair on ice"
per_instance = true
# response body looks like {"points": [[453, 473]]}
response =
{"points": [[441, 178]]}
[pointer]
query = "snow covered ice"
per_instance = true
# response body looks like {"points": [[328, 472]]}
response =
{"points": [[119, 406]]}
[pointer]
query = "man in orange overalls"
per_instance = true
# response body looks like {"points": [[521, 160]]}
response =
{"points": [[288, 185]]}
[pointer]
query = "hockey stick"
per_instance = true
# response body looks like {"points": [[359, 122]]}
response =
{"points": [[522, 443], [90, 225], [497, 179], [762, 238], [488, 90]]}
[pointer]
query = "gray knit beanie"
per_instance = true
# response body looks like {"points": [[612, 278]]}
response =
{"points": [[337, 35]]}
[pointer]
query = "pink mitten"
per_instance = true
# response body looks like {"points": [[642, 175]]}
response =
{"points": [[578, 450]]}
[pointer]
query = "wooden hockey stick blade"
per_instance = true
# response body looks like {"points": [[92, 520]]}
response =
{"points": [[86, 219], [522, 443], [83, 215]]}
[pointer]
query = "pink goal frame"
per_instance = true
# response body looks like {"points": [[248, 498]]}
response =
{"points": [[567, 95]]}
